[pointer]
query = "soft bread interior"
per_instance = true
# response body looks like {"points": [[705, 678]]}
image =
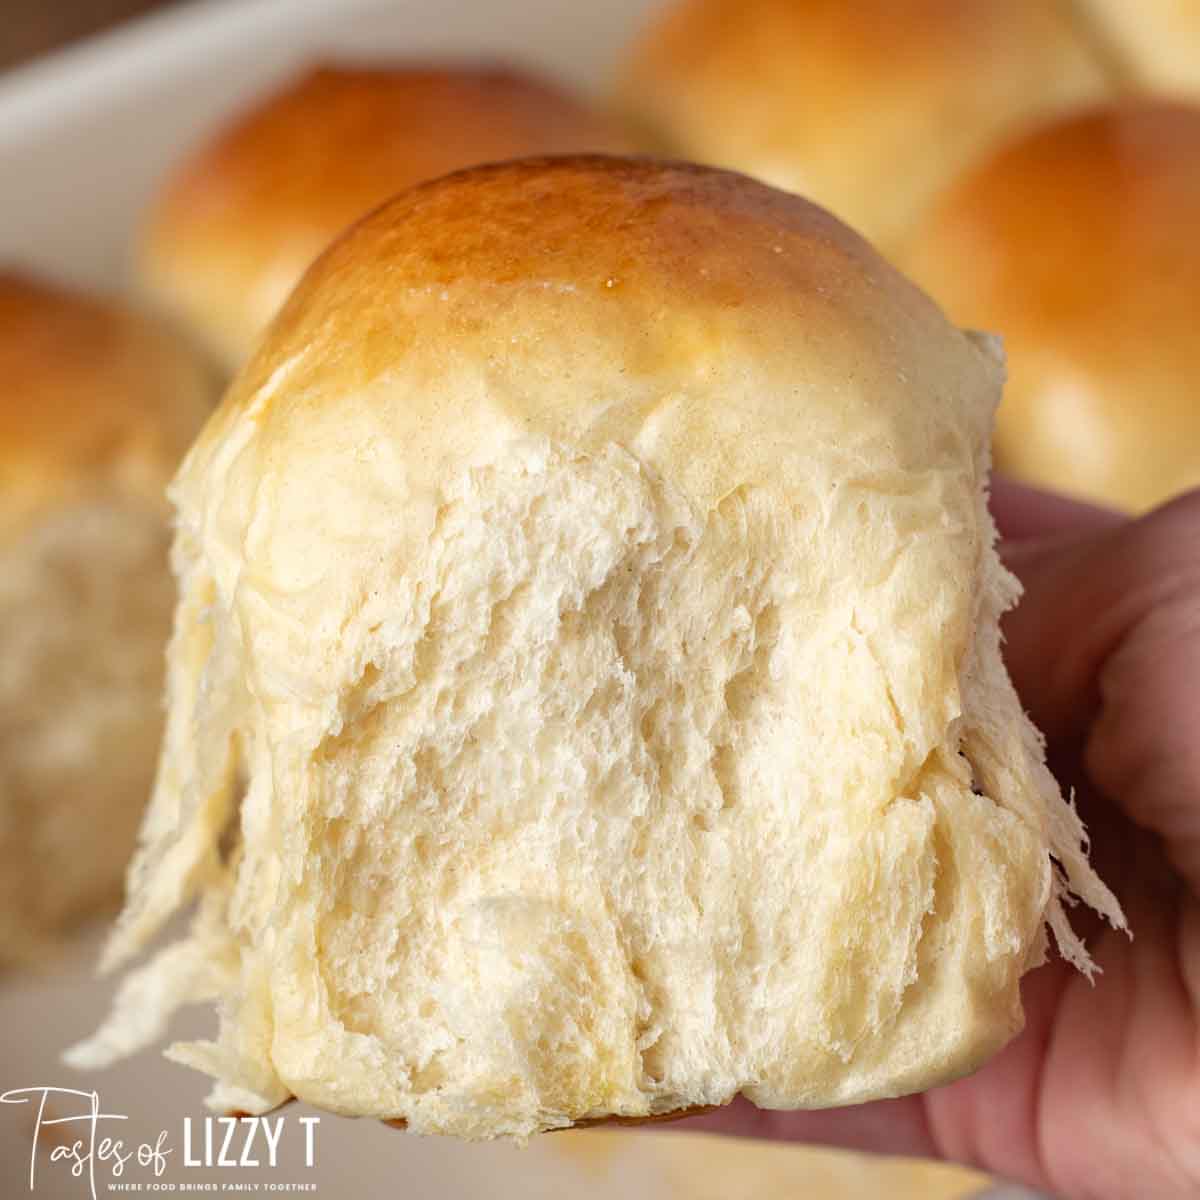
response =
{"points": [[619, 808]]}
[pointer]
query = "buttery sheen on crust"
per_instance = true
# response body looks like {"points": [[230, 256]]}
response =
{"points": [[592, 581]]}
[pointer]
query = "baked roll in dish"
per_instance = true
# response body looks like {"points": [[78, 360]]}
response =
{"points": [[98, 407], [1079, 244], [244, 215], [869, 108], [592, 578]]}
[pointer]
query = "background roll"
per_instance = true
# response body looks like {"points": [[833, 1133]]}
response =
{"points": [[868, 108], [98, 406], [1078, 242]]}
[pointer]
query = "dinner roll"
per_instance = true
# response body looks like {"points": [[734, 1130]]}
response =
{"points": [[1079, 244], [869, 107], [1157, 42], [591, 576], [98, 406], [241, 219]]}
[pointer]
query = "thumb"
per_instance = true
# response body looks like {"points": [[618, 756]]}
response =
{"points": [[1105, 648]]}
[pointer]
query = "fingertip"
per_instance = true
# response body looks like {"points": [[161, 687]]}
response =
{"points": [[1022, 511], [1085, 587]]}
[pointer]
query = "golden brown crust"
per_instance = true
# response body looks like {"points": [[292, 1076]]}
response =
{"points": [[671, 269], [867, 108], [90, 389], [244, 216], [1079, 245], [606, 247]]}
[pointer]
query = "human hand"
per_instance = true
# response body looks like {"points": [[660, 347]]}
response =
{"points": [[1099, 1097]]}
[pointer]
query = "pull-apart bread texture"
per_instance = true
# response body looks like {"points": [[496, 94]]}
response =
{"points": [[98, 408], [592, 581]]}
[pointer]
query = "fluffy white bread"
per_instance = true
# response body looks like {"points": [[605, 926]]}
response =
{"points": [[246, 213], [1156, 42], [1080, 241], [869, 108], [592, 579], [98, 408]]}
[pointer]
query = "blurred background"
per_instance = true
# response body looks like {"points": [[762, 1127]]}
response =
{"points": [[1034, 164]]}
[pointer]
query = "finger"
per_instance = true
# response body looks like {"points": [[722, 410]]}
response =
{"points": [[882, 1127], [1144, 746], [1074, 609], [1021, 511], [1104, 646]]}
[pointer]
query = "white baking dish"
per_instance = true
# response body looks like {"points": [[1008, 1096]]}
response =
{"points": [[85, 135]]}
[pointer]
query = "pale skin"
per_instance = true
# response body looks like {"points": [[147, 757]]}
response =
{"points": [[1099, 1097]]}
